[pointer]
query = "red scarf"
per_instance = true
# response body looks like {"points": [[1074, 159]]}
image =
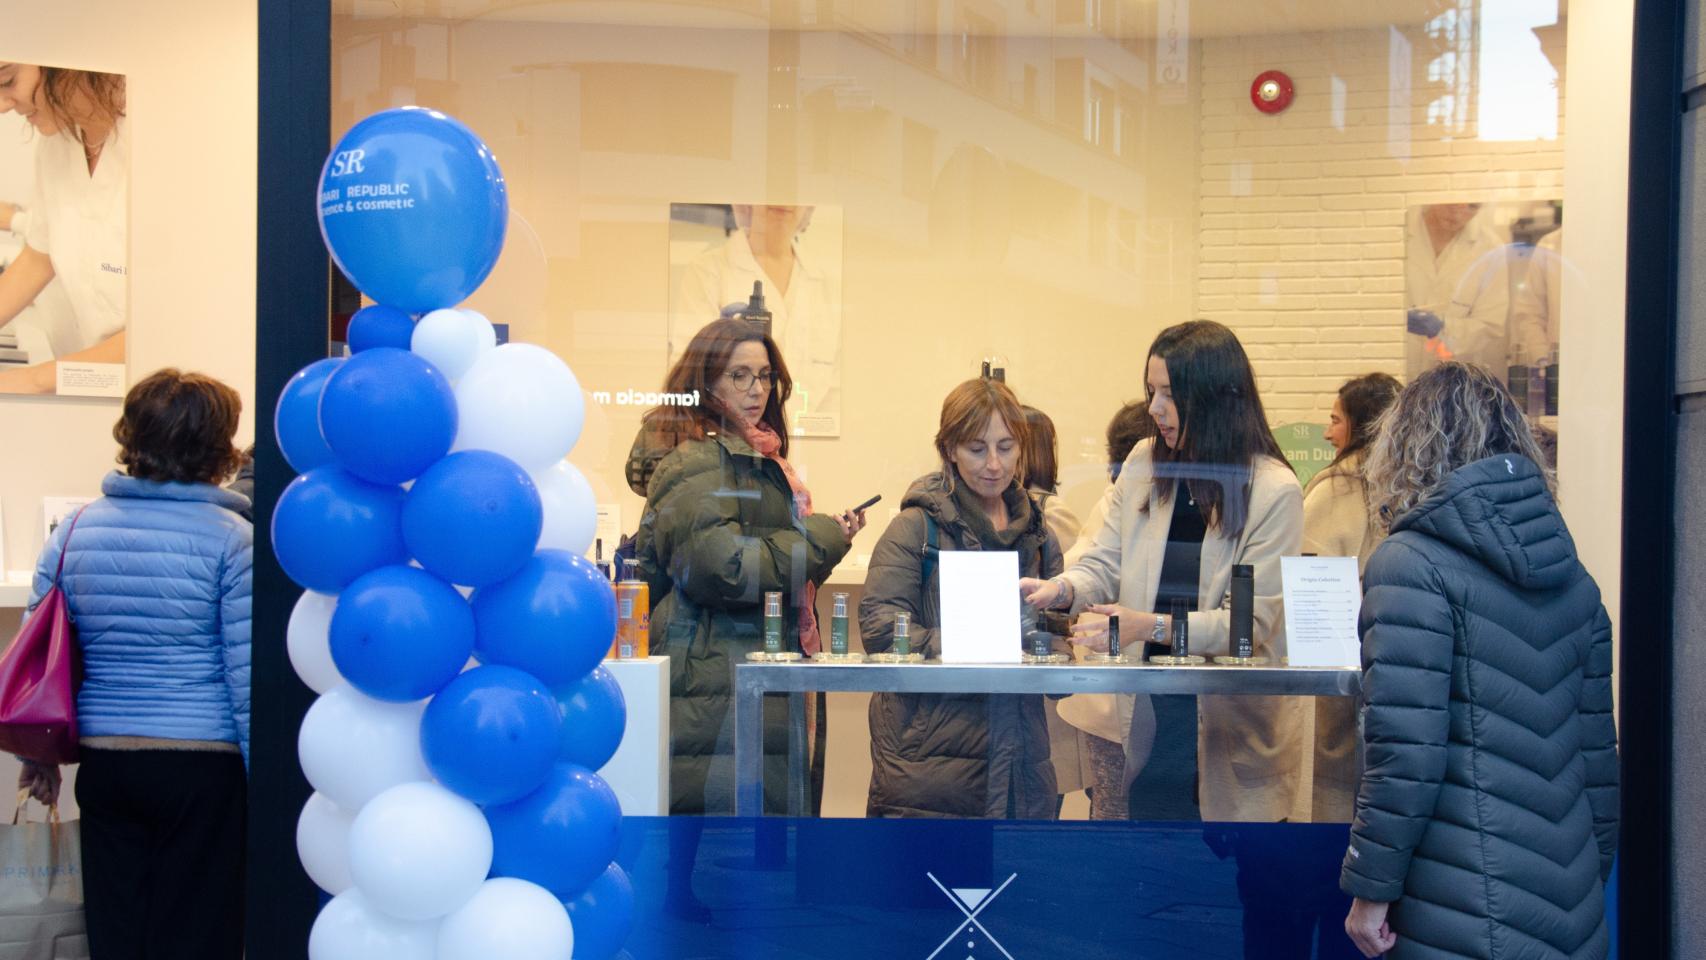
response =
{"points": [[769, 445]]}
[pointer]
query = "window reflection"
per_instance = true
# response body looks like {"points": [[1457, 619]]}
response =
{"points": [[1049, 182]]}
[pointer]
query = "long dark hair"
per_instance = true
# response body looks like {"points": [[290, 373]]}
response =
{"points": [[1042, 456], [705, 359], [1222, 427], [1363, 399]]}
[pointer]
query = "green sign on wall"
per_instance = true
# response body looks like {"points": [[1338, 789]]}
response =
{"points": [[1306, 448]]}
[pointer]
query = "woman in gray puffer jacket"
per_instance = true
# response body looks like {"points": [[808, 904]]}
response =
{"points": [[958, 755], [1486, 820]]}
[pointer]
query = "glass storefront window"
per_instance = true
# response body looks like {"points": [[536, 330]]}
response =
{"points": [[929, 190]]}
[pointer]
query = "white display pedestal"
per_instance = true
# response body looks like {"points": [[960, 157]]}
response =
{"points": [[639, 772]]}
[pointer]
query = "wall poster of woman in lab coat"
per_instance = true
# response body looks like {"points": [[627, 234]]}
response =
{"points": [[717, 251], [64, 230], [1482, 284]]}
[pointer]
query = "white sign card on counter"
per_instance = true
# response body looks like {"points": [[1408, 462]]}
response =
{"points": [[607, 529], [980, 606], [1323, 596]]}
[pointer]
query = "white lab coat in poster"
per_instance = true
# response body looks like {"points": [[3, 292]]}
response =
{"points": [[805, 322], [1536, 304], [1467, 285], [79, 220]]}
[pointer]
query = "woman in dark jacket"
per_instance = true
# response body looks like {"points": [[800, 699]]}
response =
{"points": [[726, 521], [958, 755], [1486, 821]]}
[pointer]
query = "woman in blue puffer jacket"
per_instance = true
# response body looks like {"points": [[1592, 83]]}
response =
{"points": [[157, 575], [1486, 822]]}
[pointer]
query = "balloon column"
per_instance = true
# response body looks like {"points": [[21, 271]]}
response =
{"points": [[456, 813]]}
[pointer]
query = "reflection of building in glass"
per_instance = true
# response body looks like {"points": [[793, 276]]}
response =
{"points": [[1449, 41]]}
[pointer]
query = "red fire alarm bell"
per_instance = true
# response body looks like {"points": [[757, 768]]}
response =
{"points": [[1271, 91]]}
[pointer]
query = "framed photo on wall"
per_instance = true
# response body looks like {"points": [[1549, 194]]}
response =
{"points": [[718, 251], [65, 145]]}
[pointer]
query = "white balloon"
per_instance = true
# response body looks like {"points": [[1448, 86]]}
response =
{"points": [[354, 748], [349, 928], [508, 918], [418, 851], [520, 400], [322, 844], [452, 340], [306, 640], [571, 509]]}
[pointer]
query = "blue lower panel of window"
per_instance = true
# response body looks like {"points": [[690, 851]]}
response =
{"points": [[954, 889]]}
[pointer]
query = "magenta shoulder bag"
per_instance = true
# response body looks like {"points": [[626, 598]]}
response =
{"points": [[39, 675]]}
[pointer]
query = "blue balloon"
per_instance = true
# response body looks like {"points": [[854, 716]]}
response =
{"points": [[400, 634], [491, 735], [413, 208], [330, 528], [473, 518], [603, 915], [555, 618], [296, 419], [561, 836], [380, 326], [388, 415], [594, 715]]}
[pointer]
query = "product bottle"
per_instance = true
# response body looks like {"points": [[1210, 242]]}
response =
{"points": [[1042, 643], [1517, 381], [1181, 630], [603, 566], [1536, 387], [903, 635], [1552, 386], [1243, 611], [598, 560], [756, 311], [773, 622], [633, 614], [1114, 636], [838, 626]]}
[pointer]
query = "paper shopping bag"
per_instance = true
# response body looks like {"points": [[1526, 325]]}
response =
{"points": [[41, 891]]}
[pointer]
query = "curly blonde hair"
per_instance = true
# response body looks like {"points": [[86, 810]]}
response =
{"points": [[1447, 418]]}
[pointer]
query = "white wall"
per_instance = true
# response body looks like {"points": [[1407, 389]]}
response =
{"points": [[1302, 238], [1596, 196], [1302, 248], [191, 66]]}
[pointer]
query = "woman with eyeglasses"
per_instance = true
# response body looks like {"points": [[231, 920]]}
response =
{"points": [[727, 520]]}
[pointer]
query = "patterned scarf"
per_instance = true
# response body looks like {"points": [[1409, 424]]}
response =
{"points": [[769, 445]]}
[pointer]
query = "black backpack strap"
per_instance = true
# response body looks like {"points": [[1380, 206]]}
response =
{"points": [[932, 547]]}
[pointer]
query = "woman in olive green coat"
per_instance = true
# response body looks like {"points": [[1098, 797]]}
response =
{"points": [[726, 521]]}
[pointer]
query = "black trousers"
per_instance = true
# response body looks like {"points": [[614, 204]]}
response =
{"points": [[163, 849]]}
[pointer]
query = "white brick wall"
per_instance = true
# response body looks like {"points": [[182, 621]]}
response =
{"points": [[1301, 249]]}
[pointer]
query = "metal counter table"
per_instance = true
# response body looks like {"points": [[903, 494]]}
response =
{"points": [[754, 680]]}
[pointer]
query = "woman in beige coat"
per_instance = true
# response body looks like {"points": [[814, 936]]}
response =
{"points": [[1213, 490], [1337, 522]]}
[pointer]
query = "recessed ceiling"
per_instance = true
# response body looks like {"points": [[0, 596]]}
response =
{"points": [[1133, 18]]}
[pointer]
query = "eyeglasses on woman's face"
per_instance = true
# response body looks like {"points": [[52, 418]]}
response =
{"points": [[743, 378]]}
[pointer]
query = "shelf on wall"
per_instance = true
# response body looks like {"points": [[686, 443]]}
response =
{"points": [[15, 589]]}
